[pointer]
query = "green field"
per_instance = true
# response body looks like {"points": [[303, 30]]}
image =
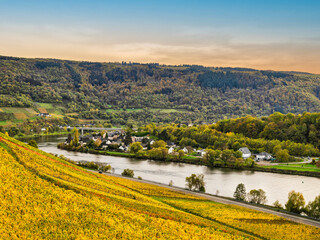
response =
{"points": [[161, 110], [4, 123], [21, 114], [296, 167], [51, 108]]}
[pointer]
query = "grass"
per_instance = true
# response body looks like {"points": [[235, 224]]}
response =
{"points": [[161, 110], [296, 167], [123, 154], [167, 110], [189, 157], [134, 109], [45, 105], [4, 123]]}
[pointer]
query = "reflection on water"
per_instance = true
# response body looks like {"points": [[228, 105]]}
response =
{"points": [[277, 186]]}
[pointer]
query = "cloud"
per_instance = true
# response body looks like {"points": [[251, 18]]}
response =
{"points": [[203, 46]]}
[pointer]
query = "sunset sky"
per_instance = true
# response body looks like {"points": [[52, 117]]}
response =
{"points": [[277, 35]]}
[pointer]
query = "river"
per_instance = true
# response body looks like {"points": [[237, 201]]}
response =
{"points": [[221, 181]]}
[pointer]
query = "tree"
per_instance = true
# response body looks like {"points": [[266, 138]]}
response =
{"points": [[69, 138], [164, 135], [106, 168], [33, 143], [277, 204], [128, 139], [76, 137], [135, 147], [282, 155], [13, 131], [313, 208], [295, 202], [171, 183], [180, 154], [196, 182], [187, 142], [257, 196], [240, 193], [127, 173], [226, 155], [97, 143], [159, 144]]}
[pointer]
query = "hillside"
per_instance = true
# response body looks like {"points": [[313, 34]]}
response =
{"points": [[149, 92], [45, 197]]}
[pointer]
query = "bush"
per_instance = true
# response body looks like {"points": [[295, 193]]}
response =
{"points": [[106, 168], [33, 143], [90, 165], [127, 173], [277, 204]]}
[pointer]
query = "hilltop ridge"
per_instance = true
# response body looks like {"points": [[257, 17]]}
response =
{"points": [[151, 92]]}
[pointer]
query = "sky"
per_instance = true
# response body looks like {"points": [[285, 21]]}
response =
{"points": [[274, 35]]}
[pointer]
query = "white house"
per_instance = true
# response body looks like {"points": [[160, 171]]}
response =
{"points": [[185, 150], [245, 152], [201, 152], [171, 150], [263, 156]]}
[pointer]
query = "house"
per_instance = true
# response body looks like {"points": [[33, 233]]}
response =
{"points": [[43, 115], [245, 152], [171, 150], [84, 139], [263, 156], [139, 139], [201, 152], [185, 150]]}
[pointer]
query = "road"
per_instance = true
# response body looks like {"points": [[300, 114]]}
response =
{"points": [[294, 218]]}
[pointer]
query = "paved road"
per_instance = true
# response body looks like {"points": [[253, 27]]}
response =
{"points": [[232, 202]]}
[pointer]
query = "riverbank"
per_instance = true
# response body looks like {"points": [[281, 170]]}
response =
{"points": [[200, 161], [226, 200]]}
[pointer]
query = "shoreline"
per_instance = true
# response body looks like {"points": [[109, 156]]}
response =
{"points": [[197, 161]]}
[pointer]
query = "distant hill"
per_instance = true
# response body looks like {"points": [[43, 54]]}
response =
{"points": [[152, 92]]}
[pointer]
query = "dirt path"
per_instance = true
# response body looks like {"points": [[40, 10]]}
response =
{"points": [[294, 218]]}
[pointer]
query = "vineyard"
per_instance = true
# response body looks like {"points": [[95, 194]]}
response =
{"points": [[45, 197]]}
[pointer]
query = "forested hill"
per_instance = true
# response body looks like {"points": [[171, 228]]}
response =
{"points": [[152, 92]]}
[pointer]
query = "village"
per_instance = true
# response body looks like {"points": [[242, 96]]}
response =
{"points": [[121, 141]]}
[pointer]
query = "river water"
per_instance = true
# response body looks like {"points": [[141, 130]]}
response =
{"points": [[221, 181]]}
